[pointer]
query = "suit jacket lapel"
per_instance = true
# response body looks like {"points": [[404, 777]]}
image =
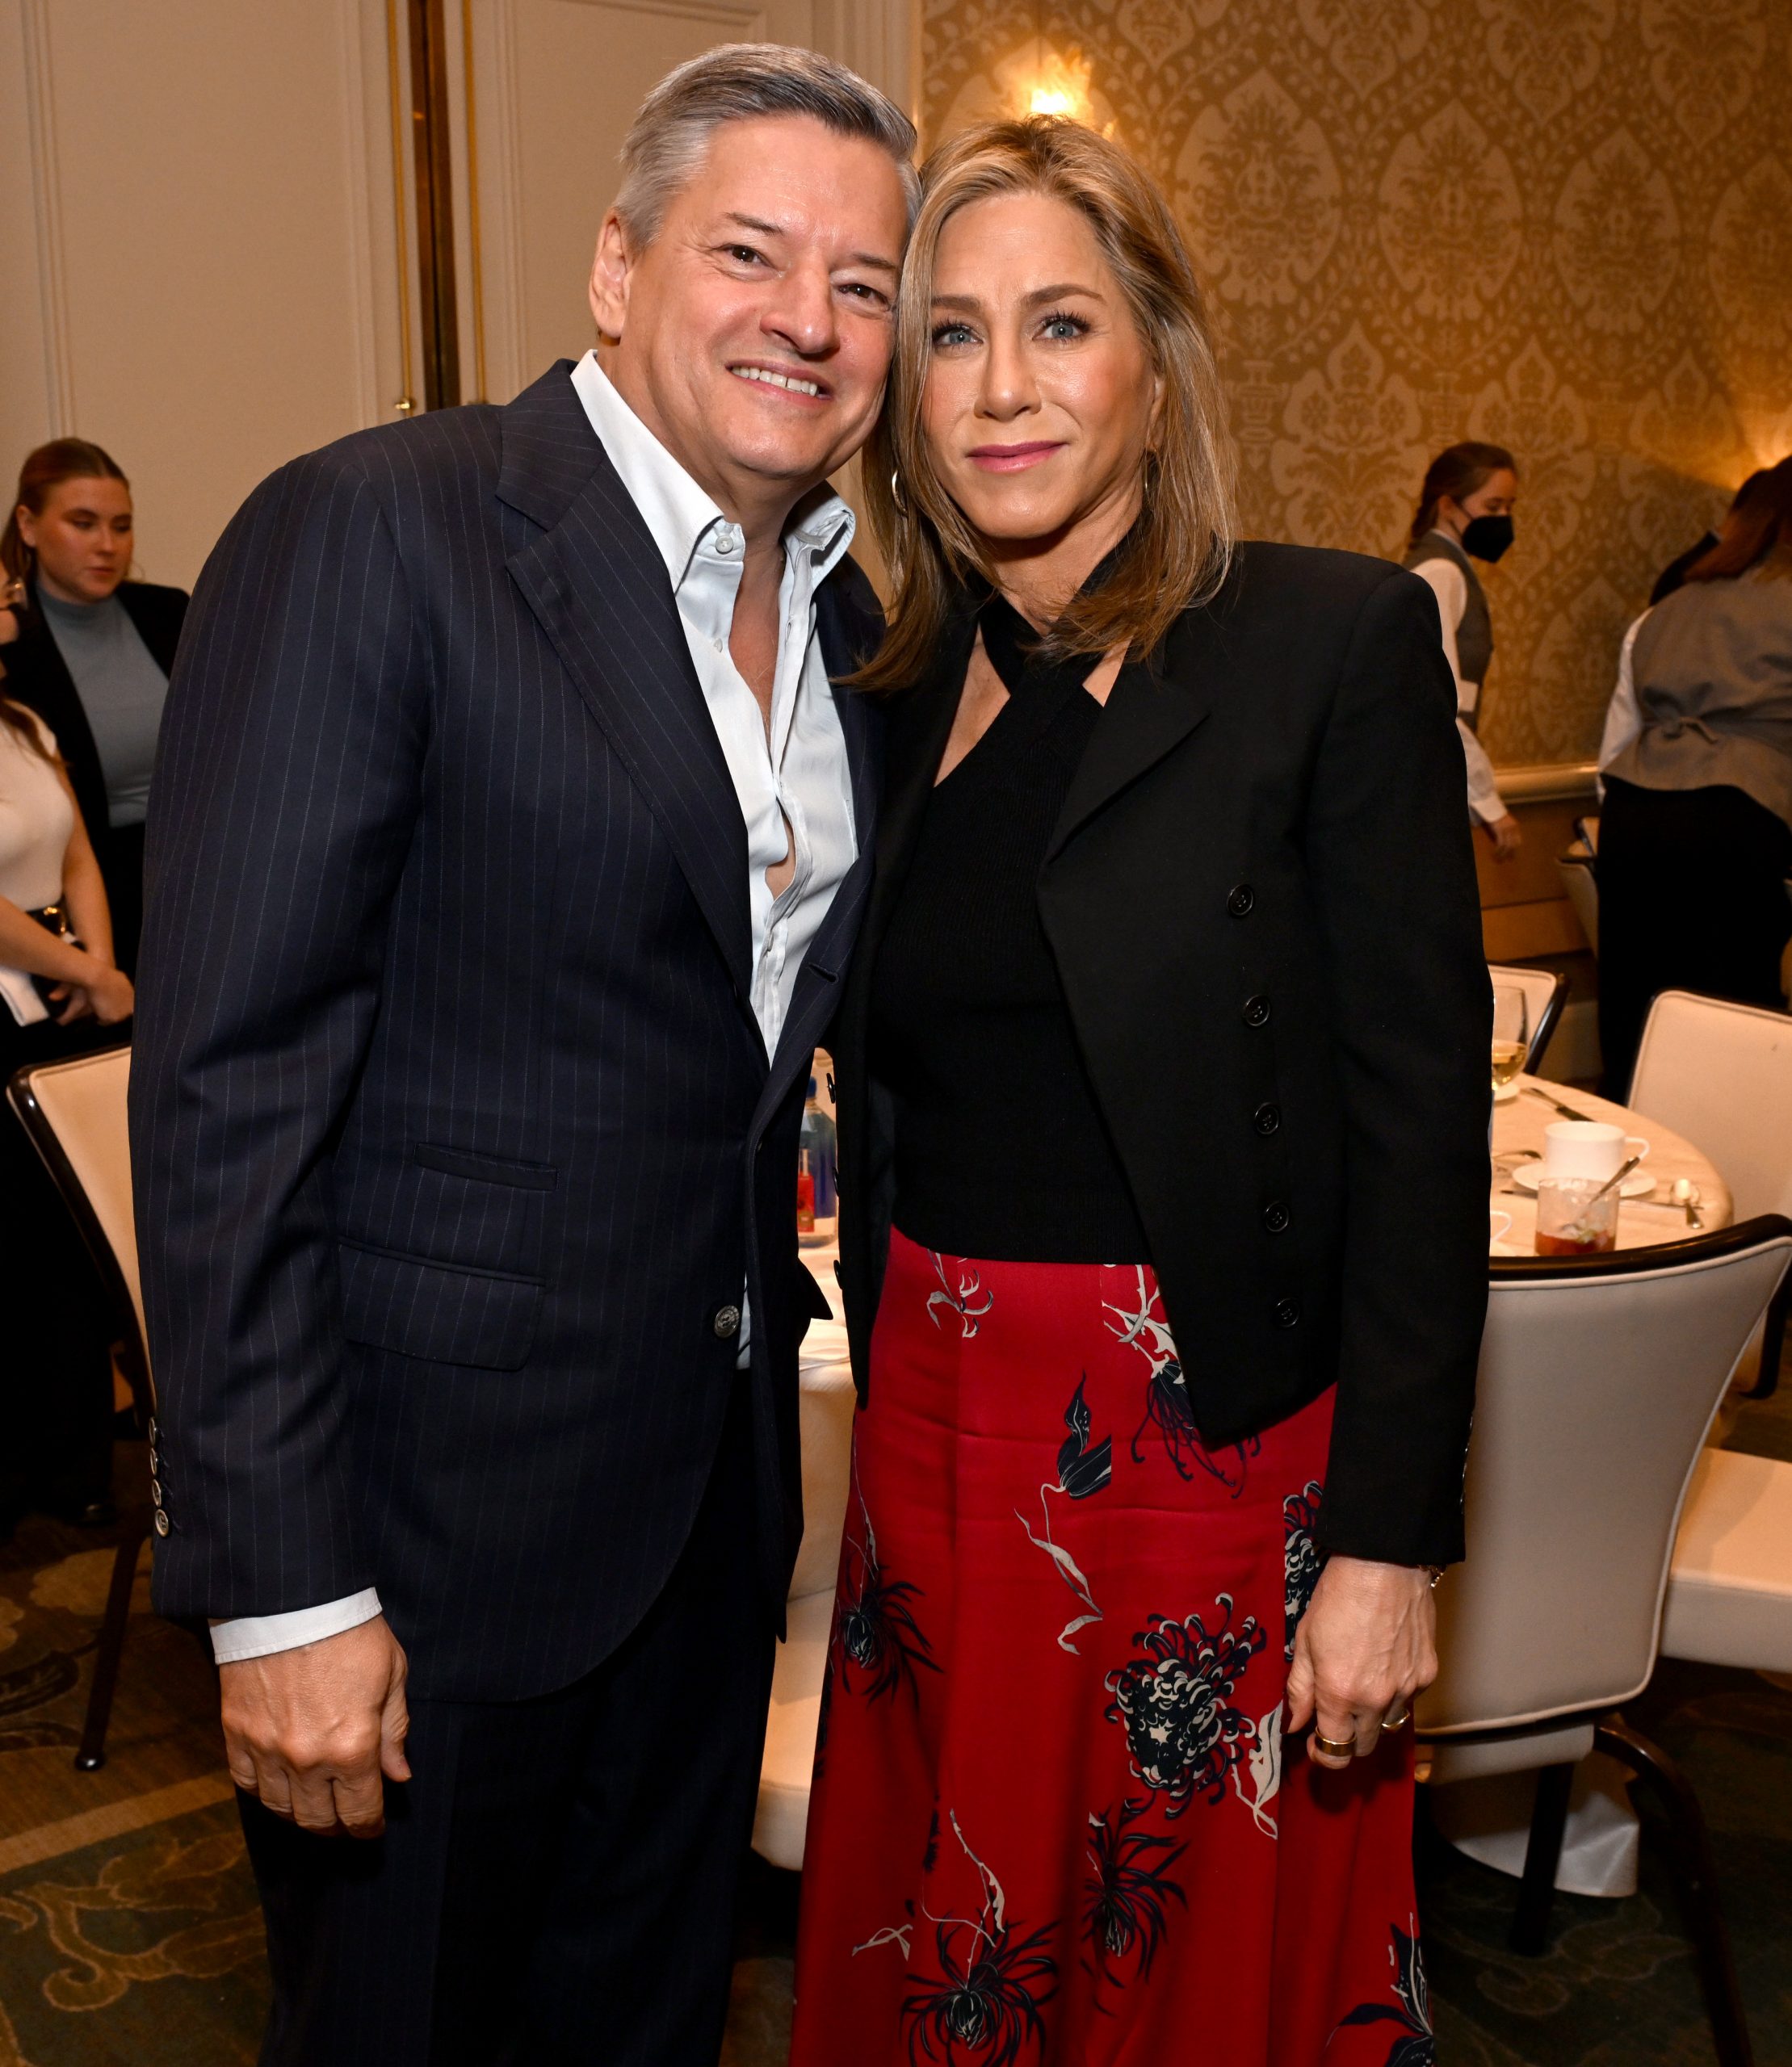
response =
{"points": [[597, 586]]}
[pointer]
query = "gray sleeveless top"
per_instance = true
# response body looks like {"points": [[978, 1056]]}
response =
{"points": [[1474, 634], [1712, 668]]}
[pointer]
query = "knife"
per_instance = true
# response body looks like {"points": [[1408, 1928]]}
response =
{"points": [[1567, 1112]]}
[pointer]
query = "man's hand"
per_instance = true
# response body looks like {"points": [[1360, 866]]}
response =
{"points": [[1366, 1646], [1505, 835], [311, 1731]]}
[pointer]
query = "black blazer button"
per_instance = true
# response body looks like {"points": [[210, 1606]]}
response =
{"points": [[162, 1522], [1256, 1012], [726, 1322], [1241, 901], [1267, 1119], [1276, 1217], [1287, 1313]]}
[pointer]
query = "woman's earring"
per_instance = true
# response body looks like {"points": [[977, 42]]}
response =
{"points": [[896, 495]]}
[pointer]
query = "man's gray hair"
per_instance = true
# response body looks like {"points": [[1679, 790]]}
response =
{"points": [[670, 137]]}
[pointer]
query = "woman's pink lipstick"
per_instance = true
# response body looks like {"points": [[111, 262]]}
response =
{"points": [[1014, 458]]}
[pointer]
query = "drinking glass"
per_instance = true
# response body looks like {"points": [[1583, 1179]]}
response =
{"points": [[1511, 1032], [1575, 1217]]}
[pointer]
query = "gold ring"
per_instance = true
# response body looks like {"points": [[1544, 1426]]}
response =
{"points": [[1346, 1748], [1400, 1721]]}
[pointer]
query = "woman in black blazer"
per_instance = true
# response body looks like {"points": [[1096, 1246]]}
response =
{"points": [[1163, 1156], [93, 651]]}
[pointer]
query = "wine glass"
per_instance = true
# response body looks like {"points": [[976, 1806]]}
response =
{"points": [[1511, 1032]]}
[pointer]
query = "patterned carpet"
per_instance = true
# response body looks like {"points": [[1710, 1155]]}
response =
{"points": [[129, 1935]]}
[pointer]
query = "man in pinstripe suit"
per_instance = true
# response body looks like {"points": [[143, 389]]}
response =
{"points": [[509, 844]]}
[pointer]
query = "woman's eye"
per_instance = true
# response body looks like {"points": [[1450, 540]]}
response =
{"points": [[946, 335], [1062, 328]]}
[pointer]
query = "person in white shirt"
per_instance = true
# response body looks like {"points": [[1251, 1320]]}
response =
{"points": [[508, 844], [1465, 514]]}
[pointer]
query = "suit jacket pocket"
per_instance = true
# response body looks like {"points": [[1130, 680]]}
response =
{"points": [[485, 1169], [418, 1308]]}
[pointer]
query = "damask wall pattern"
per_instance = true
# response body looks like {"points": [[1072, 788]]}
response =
{"points": [[1565, 226]]}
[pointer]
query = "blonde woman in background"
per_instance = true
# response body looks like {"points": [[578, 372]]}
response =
{"points": [[1154, 1470]]}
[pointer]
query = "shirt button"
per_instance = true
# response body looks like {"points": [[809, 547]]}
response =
{"points": [[726, 1323], [1239, 904], [1275, 1216], [1287, 1313], [1266, 1119], [162, 1522], [1256, 1012]]}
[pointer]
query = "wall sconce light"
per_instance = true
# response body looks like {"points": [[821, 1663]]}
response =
{"points": [[1060, 86]]}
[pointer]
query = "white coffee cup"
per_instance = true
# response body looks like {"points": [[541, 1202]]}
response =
{"points": [[1588, 1148], [1499, 1225]]}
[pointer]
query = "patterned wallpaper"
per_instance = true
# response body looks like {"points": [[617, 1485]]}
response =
{"points": [[1565, 226]]}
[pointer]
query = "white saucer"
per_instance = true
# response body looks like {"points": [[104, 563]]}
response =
{"points": [[1639, 1184]]}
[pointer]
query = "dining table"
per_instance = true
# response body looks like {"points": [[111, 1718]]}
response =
{"points": [[1520, 1122]]}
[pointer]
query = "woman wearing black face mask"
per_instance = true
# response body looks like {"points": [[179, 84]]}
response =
{"points": [[1465, 514]]}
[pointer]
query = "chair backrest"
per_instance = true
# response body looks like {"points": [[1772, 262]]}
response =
{"points": [[1577, 866], [1545, 991], [1721, 1076], [1599, 1378], [74, 1112]]}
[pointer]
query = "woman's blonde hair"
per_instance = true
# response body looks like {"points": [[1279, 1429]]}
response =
{"points": [[1178, 552]]}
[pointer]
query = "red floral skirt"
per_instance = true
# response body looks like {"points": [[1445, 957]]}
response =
{"points": [[1055, 1817]]}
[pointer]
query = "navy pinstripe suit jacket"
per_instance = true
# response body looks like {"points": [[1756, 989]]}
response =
{"points": [[450, 1122]]}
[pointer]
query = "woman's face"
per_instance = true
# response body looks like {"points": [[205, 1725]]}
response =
{"points": [[1040, 395], [1493, 498], [82, 538]]}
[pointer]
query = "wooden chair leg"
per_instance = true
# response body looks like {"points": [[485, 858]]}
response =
{"points": [[1697, 1880], [1549, 1819], [111, 1652]]}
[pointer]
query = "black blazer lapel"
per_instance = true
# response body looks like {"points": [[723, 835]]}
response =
{"points": [[1148, 714], [596, 583]]}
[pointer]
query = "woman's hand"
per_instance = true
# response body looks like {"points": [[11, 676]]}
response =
{"points": [[1366, 1646], [1506, 835], [104, 993]]}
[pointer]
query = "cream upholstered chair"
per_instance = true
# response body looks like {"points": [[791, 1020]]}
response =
{"points": [[1578, 866], [74, 1112], [1729, 1591], [1720, 1075], [1599, 1377], [827, 1403], [1544, 994]]}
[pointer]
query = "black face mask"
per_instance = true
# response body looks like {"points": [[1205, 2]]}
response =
{"points": [[1487, 537]]}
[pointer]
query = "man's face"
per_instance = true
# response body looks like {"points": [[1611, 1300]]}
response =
{"points": [[754, 332]]}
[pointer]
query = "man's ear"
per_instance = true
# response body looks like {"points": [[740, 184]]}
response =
{"points": [[610, 272]]}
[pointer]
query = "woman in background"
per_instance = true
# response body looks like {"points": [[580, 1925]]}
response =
{"points": [[1149, 1477], [56, 995], [1465, 514], [93, 651], [1695, 833]]}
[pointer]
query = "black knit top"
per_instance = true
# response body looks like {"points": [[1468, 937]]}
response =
{"points": [[1000, 1149]]}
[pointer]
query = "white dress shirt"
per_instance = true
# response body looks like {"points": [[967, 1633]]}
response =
{"points": [[1451, 589], [1624, 716], [797, 771]]}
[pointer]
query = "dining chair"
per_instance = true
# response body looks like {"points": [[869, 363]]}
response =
{"points": [[1546, 993], [1553, 1619], [1729, 1586], [74, 1112], [1578, 866], [1720, 1075], [826, 1401]]}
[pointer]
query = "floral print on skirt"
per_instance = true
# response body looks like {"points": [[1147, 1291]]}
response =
{"points": [[1055, 1819]]}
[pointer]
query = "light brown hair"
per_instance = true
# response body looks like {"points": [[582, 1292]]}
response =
{"points": [[62, 459], [1457, 472], [1177, 553], [1756, 533]]}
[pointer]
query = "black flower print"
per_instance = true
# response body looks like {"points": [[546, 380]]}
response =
{"points": [[1300, 1557], [1167, 1405], [1129, 1892], [878, 1633], [1185, 1734], [967, 1300], [1081, 1471], [983, 2004], [1414, 2044]]}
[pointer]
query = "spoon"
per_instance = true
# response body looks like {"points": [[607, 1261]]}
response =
{"points": [[1617, 1177], [1686, 1193]]}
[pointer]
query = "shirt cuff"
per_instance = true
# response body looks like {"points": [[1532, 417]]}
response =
{"points": [[260, 1636]]}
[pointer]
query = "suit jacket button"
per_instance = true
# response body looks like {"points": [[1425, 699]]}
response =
{"points": [[155, 1462], [155, 1490], [1287, 1313], [1240, 901], [153, 1437], [162, 1522], [726, 1322], [1267, 1119], [1275, 1216], [1256, 1012]]}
